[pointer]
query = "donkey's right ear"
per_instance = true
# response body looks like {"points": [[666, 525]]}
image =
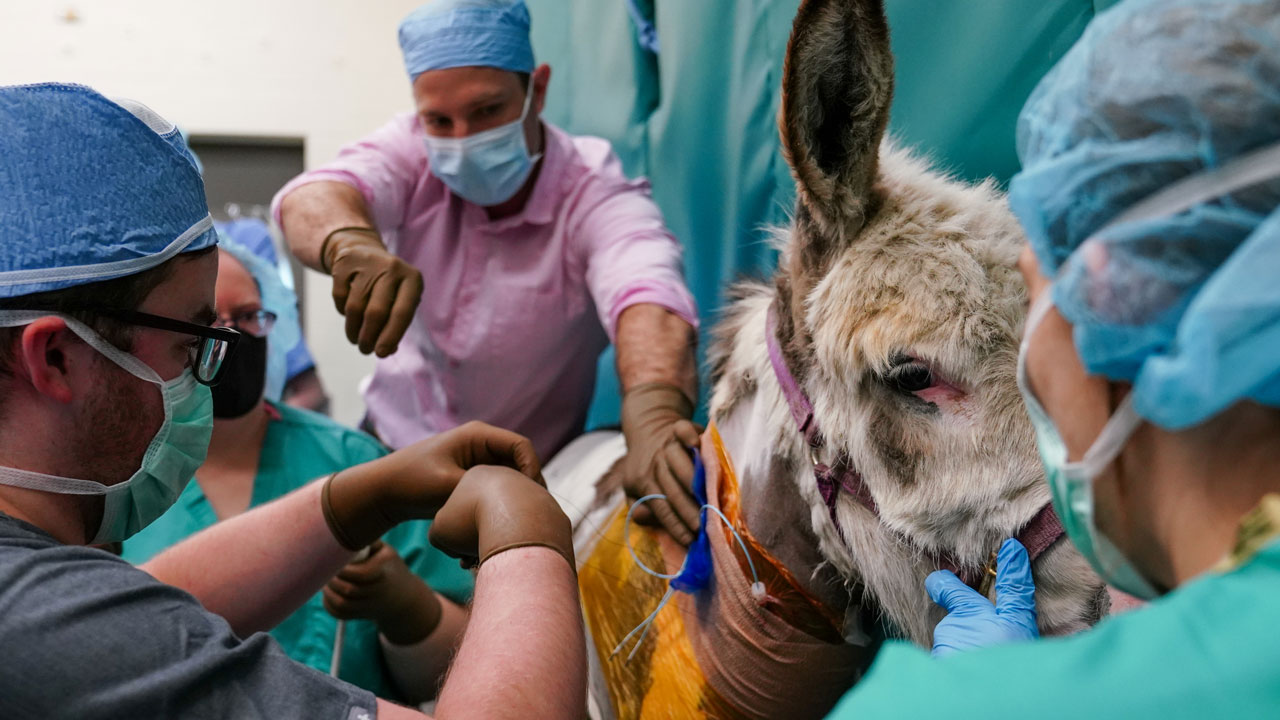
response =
{"points": [[837, 85]]}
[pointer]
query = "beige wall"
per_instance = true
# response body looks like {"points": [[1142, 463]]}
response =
{"points": [[325, 70]]}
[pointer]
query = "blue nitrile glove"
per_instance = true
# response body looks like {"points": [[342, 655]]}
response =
{"points": [[972, 621]]}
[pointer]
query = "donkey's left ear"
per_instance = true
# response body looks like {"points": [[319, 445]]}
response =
{"points": [[837, 85]]}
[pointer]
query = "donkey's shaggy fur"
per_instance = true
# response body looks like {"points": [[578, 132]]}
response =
{"points": [[899, 311], [930, 282]]}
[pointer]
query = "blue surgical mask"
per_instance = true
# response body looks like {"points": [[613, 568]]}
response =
{"points": [[178, 448], [487, 168], [1071, 483]]}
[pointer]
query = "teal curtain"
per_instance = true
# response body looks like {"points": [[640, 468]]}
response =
{"points": [[699, 116]]}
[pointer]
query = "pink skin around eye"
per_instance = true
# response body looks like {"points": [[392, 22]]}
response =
{"points": [[941, 392]]}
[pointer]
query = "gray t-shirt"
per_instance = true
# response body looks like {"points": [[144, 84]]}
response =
{"points": [[85, 635]]}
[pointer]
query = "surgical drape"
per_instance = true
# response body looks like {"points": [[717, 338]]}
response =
{"points": [[699, 117]]}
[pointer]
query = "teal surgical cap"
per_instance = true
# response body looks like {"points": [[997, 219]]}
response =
{"points": [[1151, 194], [91, 189], [460, 33], [278, 299]]}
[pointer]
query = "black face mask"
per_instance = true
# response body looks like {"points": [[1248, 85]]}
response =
{"points": [[243, 379]]}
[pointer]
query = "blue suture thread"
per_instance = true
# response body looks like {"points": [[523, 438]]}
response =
{"points": [[695, 571]]}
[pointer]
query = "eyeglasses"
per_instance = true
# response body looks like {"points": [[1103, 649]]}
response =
{"points": [[257, 323], [207, 358]]}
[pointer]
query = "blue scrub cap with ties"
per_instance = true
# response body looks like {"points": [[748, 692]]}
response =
{"points": [[1151, 194], [460, 33], [91, 189]]}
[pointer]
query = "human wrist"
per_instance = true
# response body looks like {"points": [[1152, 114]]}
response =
{"points": [[414, 620], [417, 668], [641, 401], [555, 533], [349, 500], [346, 236]]}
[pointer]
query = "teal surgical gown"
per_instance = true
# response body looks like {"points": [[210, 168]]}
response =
{"points": [[1210, 649], [299, 447]]}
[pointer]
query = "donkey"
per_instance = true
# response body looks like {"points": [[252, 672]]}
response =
{"points": [[865, 403]]}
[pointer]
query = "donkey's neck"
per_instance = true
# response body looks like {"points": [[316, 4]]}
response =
{"points": [[777, 516]]}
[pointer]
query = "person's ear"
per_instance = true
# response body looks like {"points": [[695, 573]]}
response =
{"points": [[540, 79], [46, 353]]}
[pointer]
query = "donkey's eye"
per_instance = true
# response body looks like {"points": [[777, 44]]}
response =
{"points": [[910, 377]]}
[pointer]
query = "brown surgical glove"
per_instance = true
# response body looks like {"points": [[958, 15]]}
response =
{"points": [[383, 589], [363, 502], [495, 509], [655, 421], [376, 291]]}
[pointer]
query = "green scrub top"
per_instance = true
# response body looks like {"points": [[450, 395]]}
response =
{"points": [[1207, 650], [299, 447]]}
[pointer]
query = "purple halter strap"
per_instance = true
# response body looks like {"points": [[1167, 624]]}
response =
{"points": [[830, 480]]}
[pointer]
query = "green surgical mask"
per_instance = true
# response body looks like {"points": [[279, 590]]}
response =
{"points": [[178, 448], [1071, 483]]}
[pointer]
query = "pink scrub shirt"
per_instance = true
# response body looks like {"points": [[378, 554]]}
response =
{"points": [[514, 312]]}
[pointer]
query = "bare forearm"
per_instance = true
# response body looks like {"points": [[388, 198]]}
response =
{"points": [[258, 567], [524, 652], [656, 345], [312, 211]]}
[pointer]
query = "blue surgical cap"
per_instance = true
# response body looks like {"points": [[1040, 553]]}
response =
{"points": [[91, 189], [1185, 304], [460, 33], [277, 299]]}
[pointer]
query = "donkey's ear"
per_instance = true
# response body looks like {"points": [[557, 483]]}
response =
{"points": [[837, 84]]}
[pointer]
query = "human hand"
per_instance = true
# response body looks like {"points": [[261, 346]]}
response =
{"points": [[383, 589], [376, 291], [495, 509], [972, 621], [655, 421], [363, 502]]}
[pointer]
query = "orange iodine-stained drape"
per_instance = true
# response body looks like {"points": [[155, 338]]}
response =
{"points": [[718, 653]]}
